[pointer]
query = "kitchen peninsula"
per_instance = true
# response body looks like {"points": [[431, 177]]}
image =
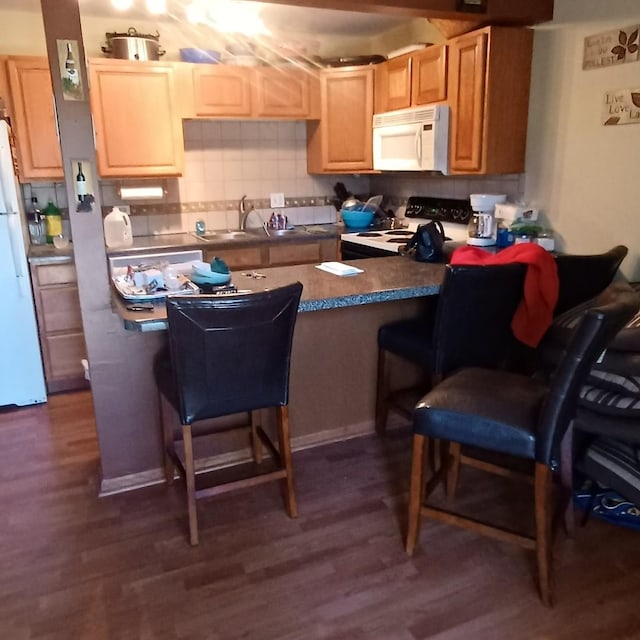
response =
{"points": [[333, 369]]}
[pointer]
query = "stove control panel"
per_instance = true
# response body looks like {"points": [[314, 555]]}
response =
{"points": [[443, 209]]}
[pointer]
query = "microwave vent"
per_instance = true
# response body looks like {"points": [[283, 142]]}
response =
{"points": [[426, 114]]}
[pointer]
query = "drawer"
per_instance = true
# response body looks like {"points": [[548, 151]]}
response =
{"points": [[60, 309], [294, 253], [55, 274], [245, 258], [66, 352]]}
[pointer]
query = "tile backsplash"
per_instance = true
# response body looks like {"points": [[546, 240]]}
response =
{"points": [[225, 160]]}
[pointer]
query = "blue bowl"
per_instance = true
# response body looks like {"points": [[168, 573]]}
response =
{"points": [[357, 219], [200, 55]]}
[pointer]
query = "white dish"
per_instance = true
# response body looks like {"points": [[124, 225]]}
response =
{"points": [[127, 289]]}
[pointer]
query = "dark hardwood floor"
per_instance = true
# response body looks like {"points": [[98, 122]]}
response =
{"points": [[73, 566]]}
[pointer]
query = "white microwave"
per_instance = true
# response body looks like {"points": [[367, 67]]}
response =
{"points": [[415, 139]]}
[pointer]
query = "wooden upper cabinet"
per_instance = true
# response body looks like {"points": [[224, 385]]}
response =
{"points": [[228, 91], [412, 79], [221, 90], [34, 119], [282, 93], [393, 84], [137, 120], [489, 78], [429, 75], [342, 142]]}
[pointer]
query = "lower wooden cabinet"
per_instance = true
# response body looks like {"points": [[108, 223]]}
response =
{"points": [[276, 254], [60, 326]]}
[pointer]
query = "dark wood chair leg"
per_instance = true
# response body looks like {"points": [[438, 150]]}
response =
{"points": [[256, 444], [453, 472], [543, 486], [566, 481], [382, 391], [416, 492], [191, 483], [284, 442], [167, 418]]}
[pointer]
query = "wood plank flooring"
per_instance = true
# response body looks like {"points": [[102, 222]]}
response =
{"points": [[73, 566]]}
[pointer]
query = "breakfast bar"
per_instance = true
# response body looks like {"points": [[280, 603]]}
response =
{"points": [[333, 368]]}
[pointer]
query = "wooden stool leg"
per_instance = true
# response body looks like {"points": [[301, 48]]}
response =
{"points": [[382, 390], [543, 484], [167, 418], [416, 492], [284, 438], [191, 483], [256, 444], [453, 472]]}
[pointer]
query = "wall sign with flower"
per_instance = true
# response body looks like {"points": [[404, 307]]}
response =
{"points": [[611, 47]]}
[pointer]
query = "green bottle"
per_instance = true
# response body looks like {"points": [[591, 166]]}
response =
{"points": [[53, 221]]}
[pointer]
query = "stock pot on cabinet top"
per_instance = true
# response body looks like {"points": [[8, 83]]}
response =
{"points": [[133, 45]]}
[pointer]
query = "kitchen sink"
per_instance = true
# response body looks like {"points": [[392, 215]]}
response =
{"points": [[220, 235]]}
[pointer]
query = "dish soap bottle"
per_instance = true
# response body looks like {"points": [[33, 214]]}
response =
{"points": [[53, 221], [117, 229]]}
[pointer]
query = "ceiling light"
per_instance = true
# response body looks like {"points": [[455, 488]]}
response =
{"points": [[156, 6], [122, 5], [228, 16]]}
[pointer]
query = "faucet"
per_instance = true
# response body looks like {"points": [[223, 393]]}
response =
{"points": [[244, 212]]}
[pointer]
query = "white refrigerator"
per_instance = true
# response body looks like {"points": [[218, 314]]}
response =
{"points": [[21, 375]]}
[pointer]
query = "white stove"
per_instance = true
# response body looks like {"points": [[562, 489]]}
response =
{"points": [[453, 214]]}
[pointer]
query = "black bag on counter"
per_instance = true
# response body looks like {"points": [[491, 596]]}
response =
{"points": [[426, 244]]}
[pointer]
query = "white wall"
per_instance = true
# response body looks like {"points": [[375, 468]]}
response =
{"points": [[585, 176]]}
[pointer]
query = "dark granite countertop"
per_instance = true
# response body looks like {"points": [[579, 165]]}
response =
{"points": [[383, 280]]}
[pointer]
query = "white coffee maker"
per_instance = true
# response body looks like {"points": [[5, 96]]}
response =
{"points": [[482, 226]]}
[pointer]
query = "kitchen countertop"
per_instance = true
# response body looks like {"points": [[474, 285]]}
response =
{"points": [[383, 279], [306, 233], [48, 254]]}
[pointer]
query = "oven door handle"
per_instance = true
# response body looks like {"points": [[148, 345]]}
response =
{"points": [[419, 147]]}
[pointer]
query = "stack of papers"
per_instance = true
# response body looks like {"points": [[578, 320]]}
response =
{"points": [[339, 268]]}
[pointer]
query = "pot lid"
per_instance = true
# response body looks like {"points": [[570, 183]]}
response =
{"points": [[132, 33]]}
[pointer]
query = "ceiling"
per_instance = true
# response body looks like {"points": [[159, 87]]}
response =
{"points": [[277, 17]]}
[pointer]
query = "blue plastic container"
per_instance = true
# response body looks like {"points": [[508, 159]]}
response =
{"points": [[200, 55]]}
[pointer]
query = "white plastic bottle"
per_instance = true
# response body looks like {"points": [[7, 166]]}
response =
{"points": [[117, 229]]}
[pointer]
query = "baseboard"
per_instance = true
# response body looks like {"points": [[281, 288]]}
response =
{"points": [[111, 486]]}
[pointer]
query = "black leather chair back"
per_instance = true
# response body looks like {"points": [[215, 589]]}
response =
{"points": [[474, 313], [599, 323], [231, 354], [582, 277]]}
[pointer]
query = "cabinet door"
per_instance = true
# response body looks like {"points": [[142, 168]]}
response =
{"points": [[34, 119], [394, 91], [429, 75], [342, 140], [281, 93], [467, 83], [290, 253], [221, 90], [137, 122], [241, 258]]}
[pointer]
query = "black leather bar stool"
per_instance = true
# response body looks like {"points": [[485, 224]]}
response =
{"points": [[471, 325], [516, 416], [581, 277], [227, 355]]}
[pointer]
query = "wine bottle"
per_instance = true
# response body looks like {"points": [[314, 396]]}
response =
{"points": [[70, 68], [81, 183]]}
